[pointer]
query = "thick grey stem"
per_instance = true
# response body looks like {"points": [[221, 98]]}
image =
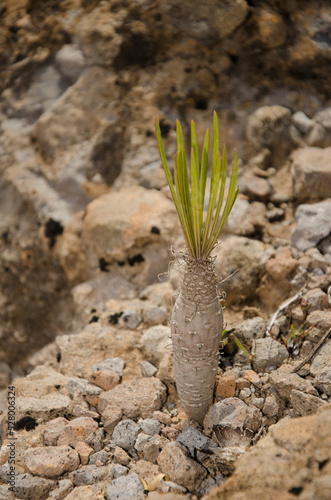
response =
{"points": [[196, 329]]}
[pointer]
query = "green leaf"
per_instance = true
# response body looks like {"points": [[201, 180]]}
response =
{"points": [[189, 193]]}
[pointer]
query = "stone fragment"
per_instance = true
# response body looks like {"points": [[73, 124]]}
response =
{"points": [[280, 266], [126, 488], [131, 318], [257, 188], [246, 257], [196, 443], [141, 440], [43, 408], [248, 330], [162, 417], [41, 382], [252, 377], [53, 430], [150, 426], [321, 320], [81, 408], [271, 406], [313, 224], [90, 474], [154, 314], [119, 470], [77, 430], [83, 351], [311, 173], [268, 127], [146, 470], [324, 118], [322, 379], [284, 382], [181, 469], [99, 457], [155, 342], [299, 447], [258, 402], [28, 487], [302, 122], [121, 457], [115, 364], [226, 386], [153, 448], [316, 260], [51, 461], [95, 440], [138, 398], [70, 62], [170, 432], [321, 359], [83, 386], [166, 372], [269, 355], [315, 300], [65, 486], [106, 379], [147, 369], [119, 221], [84, 451], [111, 416], [125, 434], [271, 28], [305, 404], [233, 422]]}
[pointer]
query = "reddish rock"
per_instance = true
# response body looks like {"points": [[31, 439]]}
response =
{"points": [[106, 379], [281, 265]]}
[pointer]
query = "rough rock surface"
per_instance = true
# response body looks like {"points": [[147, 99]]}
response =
{"points": [[303, 441]]}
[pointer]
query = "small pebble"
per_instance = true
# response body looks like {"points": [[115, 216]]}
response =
{"points": [[125, 434], [150, 426], [115, 364], [119, 470], [100, 456], [131, 318], [147, 369]]}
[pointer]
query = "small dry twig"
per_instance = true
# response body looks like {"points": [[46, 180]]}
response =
{"points": [[283, 307], [313, 352]]}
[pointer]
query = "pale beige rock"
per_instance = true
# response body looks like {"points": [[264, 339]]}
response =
{"points": [[42, 381], [138, 398], [311, 173], [119, 221], [121, 456], [293, 457], [146, 470], [84, 451], [44, 408], [153, 448], [80, 352], [54, 430], [305, 404], [280, 266], [111, 416], [51, 461], [245, 256], [156, 342], [106, 379], [77, 430], [166, 371], [181, 469]]}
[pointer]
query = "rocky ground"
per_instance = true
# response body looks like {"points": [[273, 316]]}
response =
{"points": [[86, 227]]}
